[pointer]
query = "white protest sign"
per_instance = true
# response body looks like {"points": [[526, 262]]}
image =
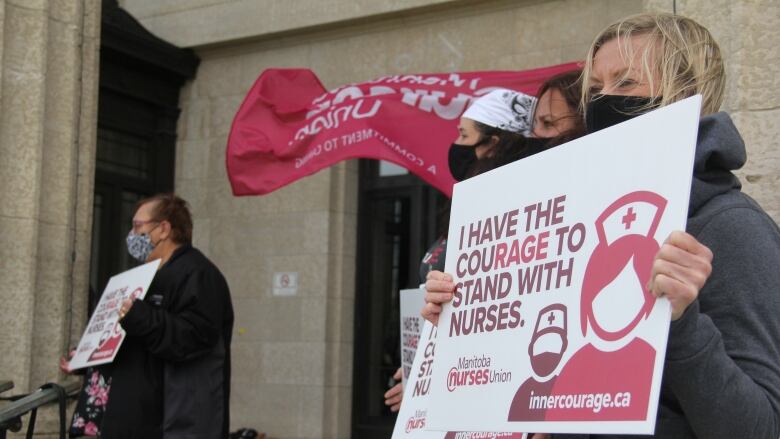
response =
{"points": [[412, 301], [411, 421], [552, 328], [104, 335]]}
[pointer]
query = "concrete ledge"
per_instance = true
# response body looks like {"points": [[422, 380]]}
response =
{"points": [[195, 23]]}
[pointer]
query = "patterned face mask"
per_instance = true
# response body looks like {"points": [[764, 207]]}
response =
{"points": [[139, 246]]}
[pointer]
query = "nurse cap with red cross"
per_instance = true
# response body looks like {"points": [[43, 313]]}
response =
{"points": [[637, 213], [626, 231]]}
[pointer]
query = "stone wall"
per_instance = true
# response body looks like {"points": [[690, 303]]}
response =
{"points": [[48, 110], [748, 33]]}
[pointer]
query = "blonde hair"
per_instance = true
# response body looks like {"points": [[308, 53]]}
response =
{"points": [[680, 60]]}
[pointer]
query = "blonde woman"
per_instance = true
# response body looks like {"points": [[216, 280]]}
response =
{"points": [[722, 276]]}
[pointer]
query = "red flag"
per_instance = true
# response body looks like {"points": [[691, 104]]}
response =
{"points": [[289, 126]]}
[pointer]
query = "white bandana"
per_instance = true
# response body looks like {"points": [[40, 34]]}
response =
{"points": [[504, 109]]}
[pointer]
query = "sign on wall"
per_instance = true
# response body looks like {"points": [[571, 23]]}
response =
{"points": [[285, 283]]}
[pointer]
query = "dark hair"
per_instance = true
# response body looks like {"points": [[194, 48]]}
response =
{"points": [[569, 84], [169, 207], [509, 147]]}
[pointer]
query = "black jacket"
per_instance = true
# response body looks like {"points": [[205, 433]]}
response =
{"points": [[172, 375]]}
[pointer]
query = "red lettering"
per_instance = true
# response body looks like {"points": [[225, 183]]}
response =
{"points": [[528, 249], [541, 246], [501, 250]]}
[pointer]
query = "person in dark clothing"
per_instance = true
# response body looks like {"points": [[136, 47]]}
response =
{"points": [[722, 368], [171, 377]]}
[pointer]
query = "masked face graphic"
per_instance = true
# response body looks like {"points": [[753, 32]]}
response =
{"points": [[615, 295], [615, 298], [616, 306], [549, 341]]}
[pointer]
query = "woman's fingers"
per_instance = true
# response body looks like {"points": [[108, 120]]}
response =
{"points": [[438, 275], [688, 242], [439, 289], [437, 298], [64, 365], [431, 312], [394, 396], [680, 270], [439, 286]]}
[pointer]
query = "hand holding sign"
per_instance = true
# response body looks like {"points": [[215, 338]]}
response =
{"points": [[125, 308], [439, 289], [103, 335], [394, 396], [680, 269], [411, 422], [554, 325], [65, 362]]}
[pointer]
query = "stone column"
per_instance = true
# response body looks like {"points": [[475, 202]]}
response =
{"points": [[48, 117], [747, 33]]}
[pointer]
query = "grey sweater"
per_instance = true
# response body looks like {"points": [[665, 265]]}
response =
{"points": [[722, 372]]}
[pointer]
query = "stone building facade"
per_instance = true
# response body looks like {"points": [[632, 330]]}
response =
{"points": [[292, 356], [48, 111]]}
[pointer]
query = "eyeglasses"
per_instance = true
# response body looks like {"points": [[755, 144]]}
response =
{"points": [[137, 224]]}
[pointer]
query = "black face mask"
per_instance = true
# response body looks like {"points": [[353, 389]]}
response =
{"points": [[606, 110], [462, 159]]}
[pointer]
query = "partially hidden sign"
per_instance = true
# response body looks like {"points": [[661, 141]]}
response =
{"points": [[411, 422], [290, 126], [552, 328], [412, 301], [104, 334]]}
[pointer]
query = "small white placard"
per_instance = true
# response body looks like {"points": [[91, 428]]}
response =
{"points": [[104, 335], [411, 422], [286, 283]]}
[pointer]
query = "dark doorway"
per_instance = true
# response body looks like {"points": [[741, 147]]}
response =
{"points": [[397, 222], [138, 106]]}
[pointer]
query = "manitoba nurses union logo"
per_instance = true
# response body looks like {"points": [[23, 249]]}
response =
{"points": [[416, 421], [475, 371]]}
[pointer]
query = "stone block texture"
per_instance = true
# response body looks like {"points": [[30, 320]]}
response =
{"points": [[48, 96], [748, 33]]}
